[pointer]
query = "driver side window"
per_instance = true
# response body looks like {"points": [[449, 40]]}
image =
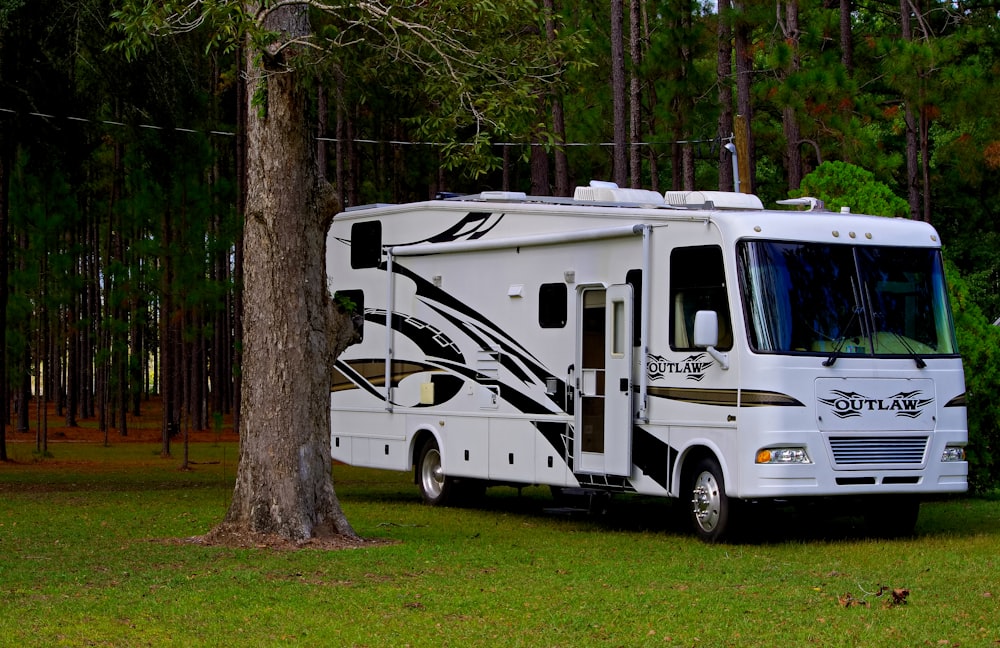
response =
{"points": [[697, 282]]}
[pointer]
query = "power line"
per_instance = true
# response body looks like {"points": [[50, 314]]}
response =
{"points": [[223, 133]]}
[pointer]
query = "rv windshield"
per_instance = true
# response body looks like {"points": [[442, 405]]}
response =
{"points": [[835, 300]]}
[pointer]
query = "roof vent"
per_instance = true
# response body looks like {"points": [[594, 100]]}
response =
{"points": [[714, 199], [504, 196], [609, 192]]}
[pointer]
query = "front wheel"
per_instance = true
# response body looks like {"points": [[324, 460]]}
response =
{"points": [[710, 509]]}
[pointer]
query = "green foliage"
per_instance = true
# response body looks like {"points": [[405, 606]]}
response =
{"points": [[979, 343], [138, 23], [469, 73], [839, 184], [7, 8]]}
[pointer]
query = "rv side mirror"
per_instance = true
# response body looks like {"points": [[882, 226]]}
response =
{"points": [[706, 329], [706, 336]]}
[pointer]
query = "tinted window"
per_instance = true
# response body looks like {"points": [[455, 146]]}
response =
{"points": [[366, 244], [552, 305], [697, 282]]}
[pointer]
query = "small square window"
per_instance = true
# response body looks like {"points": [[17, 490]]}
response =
{"points": [[553, 300], [366, 244]]}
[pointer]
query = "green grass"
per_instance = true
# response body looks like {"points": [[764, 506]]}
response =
{"points": [[88, 556]]}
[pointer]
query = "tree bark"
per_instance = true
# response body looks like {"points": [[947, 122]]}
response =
{"points": [[6, 162], [789, 119], [283, 483], [635, 93], [742, 33], [620, 155], [912, 162], [562, 185], [539, 162], [724, 73], [846, 36]]}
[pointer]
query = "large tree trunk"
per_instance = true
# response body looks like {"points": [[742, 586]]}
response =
{"points": [[283, 485]]}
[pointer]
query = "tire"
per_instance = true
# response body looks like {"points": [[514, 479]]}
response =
{"points": [[892, 517], [711, 511], [435, 488]]}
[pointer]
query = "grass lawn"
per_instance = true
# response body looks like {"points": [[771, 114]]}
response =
{"points": [[92, 554]]}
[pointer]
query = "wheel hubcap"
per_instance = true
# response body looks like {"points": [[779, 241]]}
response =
{"points": [[706, 501], [431, 474]]}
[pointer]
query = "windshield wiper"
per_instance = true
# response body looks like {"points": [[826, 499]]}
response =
{"points": [[832, 358], [858, 310], [884, 321], [906, 345]]}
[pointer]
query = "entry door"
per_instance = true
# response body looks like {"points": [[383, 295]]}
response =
{"points": [[604, 413]]}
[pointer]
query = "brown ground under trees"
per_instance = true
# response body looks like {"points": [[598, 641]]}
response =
{"points": [[146, 428]]}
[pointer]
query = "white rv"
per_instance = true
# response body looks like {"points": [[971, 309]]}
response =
{"points": [[693, 345]]}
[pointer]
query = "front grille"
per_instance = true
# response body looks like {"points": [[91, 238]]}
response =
{"points": [[854, 451]]}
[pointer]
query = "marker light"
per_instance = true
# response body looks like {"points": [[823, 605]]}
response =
{"points": [[783, 456], [953, 453]]}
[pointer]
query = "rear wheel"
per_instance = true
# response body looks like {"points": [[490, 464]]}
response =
{"points": [[435, 488], [438, 489], [710, 509]]}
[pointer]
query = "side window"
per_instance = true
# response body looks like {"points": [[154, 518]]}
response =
{"points": [[553, 300], [353, 301], [634, 279], [366, 244], [697, 282]]}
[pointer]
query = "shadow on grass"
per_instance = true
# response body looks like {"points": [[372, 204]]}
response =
{"points": [[761, 522]]}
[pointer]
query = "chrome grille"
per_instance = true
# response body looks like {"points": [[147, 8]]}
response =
{"points": [[852, 451]]}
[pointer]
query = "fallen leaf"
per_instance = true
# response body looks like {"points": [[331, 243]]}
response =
{"points": [[899, 596], [847, 600]]}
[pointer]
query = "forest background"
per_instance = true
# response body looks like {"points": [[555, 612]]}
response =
{"points": [[121, 182]]}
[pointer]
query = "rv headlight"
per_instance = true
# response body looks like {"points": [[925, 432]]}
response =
{"points": [[953, 453], [783, 456]]}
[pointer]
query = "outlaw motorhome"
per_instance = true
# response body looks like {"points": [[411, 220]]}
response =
{"points": [[690, 345]]}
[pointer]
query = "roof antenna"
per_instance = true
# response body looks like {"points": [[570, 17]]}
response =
{"points": [[814, 204]]}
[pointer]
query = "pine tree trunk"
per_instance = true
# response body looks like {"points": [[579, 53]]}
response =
{"points": [[561, 182], [539, 162], [618, 94], [789, 119], [635, 95], [6, 163], [724, 73], [846, 36], [283, 485], [912, 161], [742, 35]]}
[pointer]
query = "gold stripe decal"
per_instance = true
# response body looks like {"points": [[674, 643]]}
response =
{"points": [[373, 372], [958, 401], [725, 397]]}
